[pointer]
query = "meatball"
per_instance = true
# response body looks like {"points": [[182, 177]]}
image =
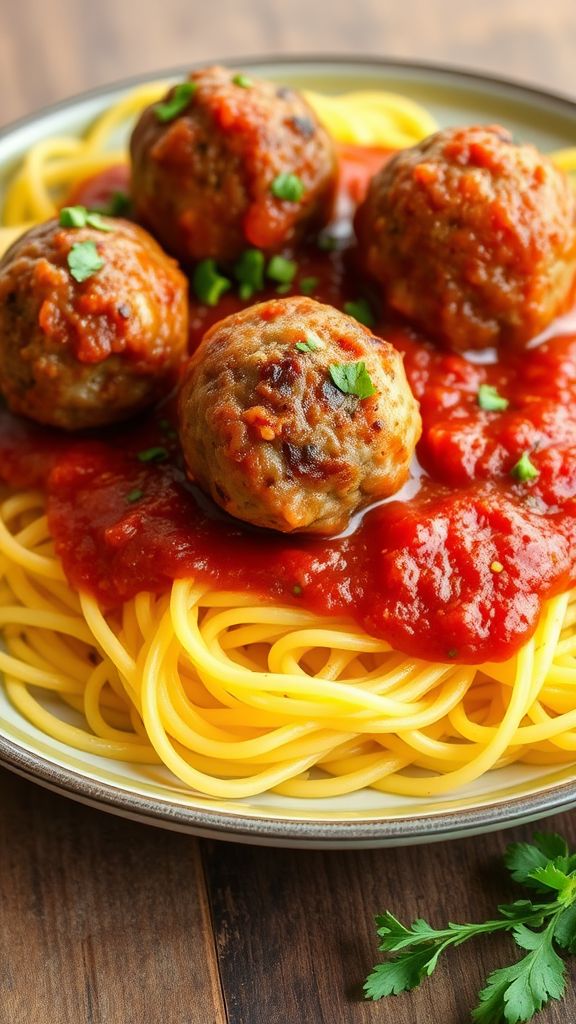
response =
{"points": [[84, 352], [472, 237], [293, 416], [245, 163]]}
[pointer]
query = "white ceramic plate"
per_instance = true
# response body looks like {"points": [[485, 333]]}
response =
{"points": [[500, 799]]}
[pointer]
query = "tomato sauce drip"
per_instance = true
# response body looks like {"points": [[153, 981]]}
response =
{"points": [[454, 567]]}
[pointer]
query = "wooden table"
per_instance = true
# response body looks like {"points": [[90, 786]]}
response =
{"points": [[104, 921]]}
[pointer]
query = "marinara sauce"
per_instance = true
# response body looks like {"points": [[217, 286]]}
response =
{"points": [[454, 567]]}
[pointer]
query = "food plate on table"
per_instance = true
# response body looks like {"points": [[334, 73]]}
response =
{"points": [[403, 103]]}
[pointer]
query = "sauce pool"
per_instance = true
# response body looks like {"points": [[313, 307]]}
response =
{"points": [[455, 567]]}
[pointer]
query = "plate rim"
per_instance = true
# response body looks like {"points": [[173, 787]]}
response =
{"points": [[235, 826], [556, 97]]}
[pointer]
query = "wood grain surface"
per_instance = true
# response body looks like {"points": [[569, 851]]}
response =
{"points": [[104, 921]]}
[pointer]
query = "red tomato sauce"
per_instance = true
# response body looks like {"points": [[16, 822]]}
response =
{"points": [[454, 567]]}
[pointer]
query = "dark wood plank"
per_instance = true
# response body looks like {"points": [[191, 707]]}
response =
{"points": [[295, 931], [102, 921]]}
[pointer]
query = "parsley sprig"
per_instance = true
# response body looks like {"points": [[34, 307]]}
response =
{"points": [[540, 927]]}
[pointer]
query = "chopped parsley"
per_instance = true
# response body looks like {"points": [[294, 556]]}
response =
{"points": [[80, 217], [119, 205], [297, 590], [361, 310], [84, 260], [134, 495], [525, 469], [96, 220], [311, 343], [243, 81], [490, 400], [288, 186], [282, 270], [352, 379], [209, 285], [154, 454], [177, 103], [283, 289], [249, 272], [307, 285]]}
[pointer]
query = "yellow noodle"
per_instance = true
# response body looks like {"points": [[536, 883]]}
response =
{"points": [[356, 714]]}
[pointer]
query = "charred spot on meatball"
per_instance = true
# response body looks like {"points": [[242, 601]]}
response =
{"points": [[93, 323], [267, 432], [472, 237], [202, 180]]}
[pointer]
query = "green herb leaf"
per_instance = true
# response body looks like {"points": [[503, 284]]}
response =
{"points": [[73, 216], [80, 217], [154, 454], [243, 81], [307, 285], [177, 102], [551, 845], [281, 269], [518, 910], [96, 220], [361, 310], [550, 877], [565, 929], [84, 261], [522, 859], [208, 284], [134, 495], [249, 272], [352, 379], [311, 343], [490, 400], [401, 973], [524, 469], [516, 993], [288, 187], [119, 205]]}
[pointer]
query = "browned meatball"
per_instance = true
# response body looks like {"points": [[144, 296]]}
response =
{"points": [[472, 237], [293, 415], [82, 353], [204, 180]]}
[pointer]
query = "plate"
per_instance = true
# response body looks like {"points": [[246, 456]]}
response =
{"points": [[367, 819]]}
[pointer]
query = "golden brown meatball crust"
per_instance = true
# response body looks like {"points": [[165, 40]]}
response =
{"points": [[83, 354], [472, 237], [269, 435], [202, 181]]}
